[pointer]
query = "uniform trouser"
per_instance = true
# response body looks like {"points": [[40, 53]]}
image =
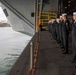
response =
{"points": [[74, 59], [61, 39], [57, 35], [74, 49], [54, 35], [65, 41], [49, 27], [60, 36], [54, 32]]}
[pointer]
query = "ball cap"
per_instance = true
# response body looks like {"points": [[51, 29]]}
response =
{"points": [[74, 13], [65, 14]]}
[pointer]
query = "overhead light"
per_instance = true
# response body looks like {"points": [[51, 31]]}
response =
{"points": [[69, 5], [69, 1], [65, 7]]}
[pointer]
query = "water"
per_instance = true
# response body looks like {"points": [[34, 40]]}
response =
{"points": [[12, 44]]}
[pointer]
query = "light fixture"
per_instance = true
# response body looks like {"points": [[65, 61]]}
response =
{"points": [[69, 5], [65, 7], [69, 1]]}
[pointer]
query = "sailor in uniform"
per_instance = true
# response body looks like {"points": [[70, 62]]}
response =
{"points": [[54, 29], [65, 32], [74, 37], [60, 31], [57, 30]]}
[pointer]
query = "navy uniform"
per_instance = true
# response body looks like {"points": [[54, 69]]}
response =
{"points": [[54, 30], [65, 33], [57, 31], [50, 27], [74, 39], [60, 31], [49, 23]]}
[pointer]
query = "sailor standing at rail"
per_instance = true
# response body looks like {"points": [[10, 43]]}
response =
{"points": [[57, 30], [65, 32], [74, 37], [60, 31], [52, 20], [50, 25], [54, 28]]}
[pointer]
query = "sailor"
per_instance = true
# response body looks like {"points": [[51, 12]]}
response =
{"points": [[60, 31], [57, 30], [65, 32], [74, 37], [54, 29], [50, 25]]}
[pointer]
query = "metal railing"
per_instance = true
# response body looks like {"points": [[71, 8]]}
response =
{"points": [[25, 60]]}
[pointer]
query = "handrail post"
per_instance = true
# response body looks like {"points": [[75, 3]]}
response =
{"points": [[31, 55]]}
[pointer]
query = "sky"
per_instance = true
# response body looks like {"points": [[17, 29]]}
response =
{"points": [[2, 15]]}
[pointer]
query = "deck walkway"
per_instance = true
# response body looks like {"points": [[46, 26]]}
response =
{"points": [[50, 60]]}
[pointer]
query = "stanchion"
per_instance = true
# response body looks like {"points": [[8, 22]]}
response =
{"points": [[31, 55], [31, 71]]}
